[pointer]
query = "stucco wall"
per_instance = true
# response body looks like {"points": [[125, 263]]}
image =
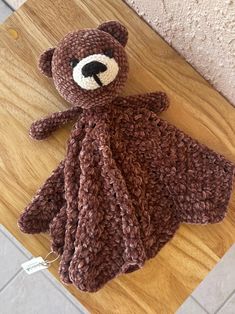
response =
{"points": [[203, 31]]}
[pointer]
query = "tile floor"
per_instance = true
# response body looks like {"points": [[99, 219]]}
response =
{"points": [[14, 4], [5, 11], [216, 294], [29, 294], [7, 7]]}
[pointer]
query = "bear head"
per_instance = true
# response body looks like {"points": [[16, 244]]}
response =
{"points": [[89, 67]]}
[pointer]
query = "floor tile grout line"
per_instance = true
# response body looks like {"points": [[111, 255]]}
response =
{"points": [[46, 276], [15, 244], [195, 300], [64, 294], [8, 5], [225, 301], [10, 280]]}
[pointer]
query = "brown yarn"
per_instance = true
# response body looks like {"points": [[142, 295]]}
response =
{"points": [[128, 179], [49, 199], [42, 128]]}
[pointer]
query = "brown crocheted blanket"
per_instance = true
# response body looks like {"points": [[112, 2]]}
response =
{"points": [[128, 180]]}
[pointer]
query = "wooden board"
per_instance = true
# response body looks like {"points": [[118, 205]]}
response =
{"points": [[25, 95]]}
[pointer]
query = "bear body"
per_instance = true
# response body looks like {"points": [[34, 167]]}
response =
{"points": [[129, 178]]}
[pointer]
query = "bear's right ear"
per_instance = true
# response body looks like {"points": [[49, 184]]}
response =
{"points": [[44, 63]]}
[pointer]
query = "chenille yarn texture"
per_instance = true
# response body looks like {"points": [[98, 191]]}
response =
{"points": [[129, 178]]}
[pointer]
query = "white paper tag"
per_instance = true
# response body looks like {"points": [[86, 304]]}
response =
{"points": [[34, 265]]}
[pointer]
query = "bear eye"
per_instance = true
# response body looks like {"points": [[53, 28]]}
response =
{"points": [[108, 52], [74, 62]]}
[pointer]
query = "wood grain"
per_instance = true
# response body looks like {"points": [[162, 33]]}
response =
{"points": [[165, 281]]}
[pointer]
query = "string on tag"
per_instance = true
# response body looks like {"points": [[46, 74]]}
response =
{"points": [[47, 262], [38, 263]]}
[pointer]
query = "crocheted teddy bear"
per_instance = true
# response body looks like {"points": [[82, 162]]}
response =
{"points": [[129, 178]]}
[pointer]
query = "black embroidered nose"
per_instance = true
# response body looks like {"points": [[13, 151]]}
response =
{"points": [[93, 68]]}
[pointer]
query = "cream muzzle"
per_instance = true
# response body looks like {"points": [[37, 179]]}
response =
{"points": [[95, 71]]}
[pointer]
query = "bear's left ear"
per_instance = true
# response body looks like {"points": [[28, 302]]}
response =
{"points": [[117, 30], [44, 62]]}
